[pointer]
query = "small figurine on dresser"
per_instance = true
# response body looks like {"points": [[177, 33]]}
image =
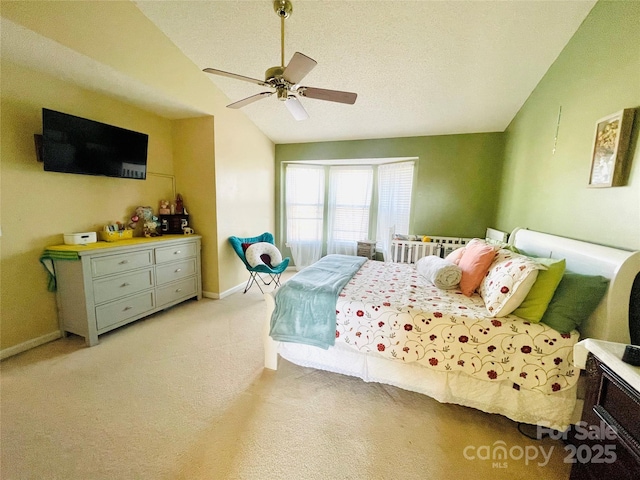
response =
{"points": [[164, 208], [179, 205], [150, 223]]}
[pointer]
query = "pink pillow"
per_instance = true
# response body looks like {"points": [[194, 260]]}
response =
{"points": [[455, 256], [474, 263]]}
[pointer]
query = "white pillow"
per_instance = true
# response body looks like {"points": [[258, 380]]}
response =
{"points": [[256, 250], [508, 281]]}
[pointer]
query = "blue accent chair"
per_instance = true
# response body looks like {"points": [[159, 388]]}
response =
{"points": [[272, 274]]}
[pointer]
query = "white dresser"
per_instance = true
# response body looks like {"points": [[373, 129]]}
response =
{"points": [[116, 283]]}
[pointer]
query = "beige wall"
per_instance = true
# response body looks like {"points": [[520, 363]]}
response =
{"points": [[245, 172], [38, 206], [232, 155], [194, 160], [598, 73]]}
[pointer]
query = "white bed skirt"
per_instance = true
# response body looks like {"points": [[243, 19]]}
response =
{"points": [[554, 411]]}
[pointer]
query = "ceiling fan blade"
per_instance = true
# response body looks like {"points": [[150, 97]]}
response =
{"points": [[295, 108], [299, 66], [248, 100], [329, 95], [236, 76]]}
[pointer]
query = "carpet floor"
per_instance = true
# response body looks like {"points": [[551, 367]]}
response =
{"points": [[183, 395]]}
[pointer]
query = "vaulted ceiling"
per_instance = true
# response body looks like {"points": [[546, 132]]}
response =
{"points": [[418, 67]]}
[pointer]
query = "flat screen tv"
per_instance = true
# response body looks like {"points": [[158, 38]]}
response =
{"points": [[73, 144]]}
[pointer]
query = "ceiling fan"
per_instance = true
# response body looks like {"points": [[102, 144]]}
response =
{"points": [[285, 80]]}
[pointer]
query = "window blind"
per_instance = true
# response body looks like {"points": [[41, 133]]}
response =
{"points": [[350, 190], [395, 185]]}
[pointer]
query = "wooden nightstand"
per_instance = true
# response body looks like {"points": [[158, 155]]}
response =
{"points": [[367, 248], [607, 445]]}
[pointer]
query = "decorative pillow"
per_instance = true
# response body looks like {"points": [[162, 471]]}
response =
{"points": [[535, 304], [455, 256], [474, 263], [508, 281], [263, 253], [502, 245], [575, 299]]}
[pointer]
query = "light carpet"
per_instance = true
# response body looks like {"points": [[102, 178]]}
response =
{"points": [[183, 395]]}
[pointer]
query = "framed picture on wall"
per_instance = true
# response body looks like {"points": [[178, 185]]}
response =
{"points": [[609, 159]]}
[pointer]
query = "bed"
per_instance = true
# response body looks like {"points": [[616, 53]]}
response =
{"points": [[394, 327]]}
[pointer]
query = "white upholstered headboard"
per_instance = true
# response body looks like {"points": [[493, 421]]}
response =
{"points": [[610, 321]]}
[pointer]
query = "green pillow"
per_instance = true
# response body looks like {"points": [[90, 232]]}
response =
{"points": [[537, 300], [575, 299]]}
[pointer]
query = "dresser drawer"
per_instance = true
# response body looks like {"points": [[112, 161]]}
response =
{"points": [[175, 252], [619, 405], [175, 291], [120, 282], [110, 288], [121, 310], [122, 262], [171, 272]]}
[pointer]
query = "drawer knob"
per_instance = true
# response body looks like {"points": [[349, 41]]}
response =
{"points": [[178, 290], [126, 284], [123, 262], [177, 252], [127, 308], [178, 270]]}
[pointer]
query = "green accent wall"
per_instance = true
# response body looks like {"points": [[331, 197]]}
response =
{"points": [[457, 177], [597, 74]]}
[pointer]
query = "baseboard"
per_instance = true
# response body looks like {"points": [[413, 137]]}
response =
{"points": [[28, 345], [226, 293], [231, 291]]}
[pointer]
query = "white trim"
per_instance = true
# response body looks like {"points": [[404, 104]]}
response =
{"points": [[237, 288], [226, 293], [29, 344], [354, 161]]}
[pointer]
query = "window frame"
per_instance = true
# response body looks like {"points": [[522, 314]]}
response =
{"points": [[327, 164]]}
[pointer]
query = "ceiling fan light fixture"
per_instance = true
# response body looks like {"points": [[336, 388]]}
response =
{"points": [[283, 94], [295, 108], [285, 79]]}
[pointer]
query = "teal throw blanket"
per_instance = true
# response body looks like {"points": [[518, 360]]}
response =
{"points": [[306, 305]]}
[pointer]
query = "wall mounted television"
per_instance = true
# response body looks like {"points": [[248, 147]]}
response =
{"points": [[73, 144]]}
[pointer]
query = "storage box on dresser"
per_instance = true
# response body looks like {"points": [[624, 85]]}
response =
{"points": [[118, 284]]}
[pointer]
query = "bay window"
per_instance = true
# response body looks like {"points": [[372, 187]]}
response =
{"points": [[357, 202]]}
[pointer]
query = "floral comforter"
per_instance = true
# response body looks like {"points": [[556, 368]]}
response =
{"points": [[391, 310]]}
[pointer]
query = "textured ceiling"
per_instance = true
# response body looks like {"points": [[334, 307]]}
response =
{"points": [[418, 67]]}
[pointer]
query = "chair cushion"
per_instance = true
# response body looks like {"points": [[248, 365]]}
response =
{"points": [[263, 253]]}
